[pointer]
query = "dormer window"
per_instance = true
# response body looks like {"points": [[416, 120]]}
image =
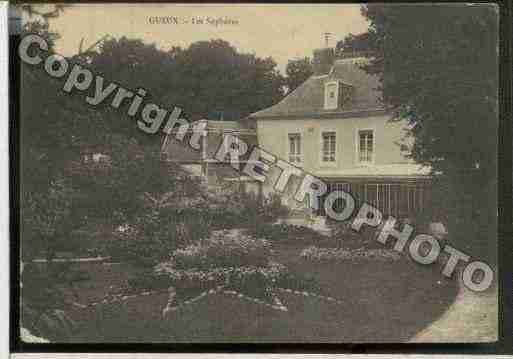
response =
{"points": [[331, 95]]}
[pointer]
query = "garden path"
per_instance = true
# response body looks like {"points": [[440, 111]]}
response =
{"points": [[471, 318]]}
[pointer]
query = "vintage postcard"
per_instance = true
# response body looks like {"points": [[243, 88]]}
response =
{"points": [[257, 173]]}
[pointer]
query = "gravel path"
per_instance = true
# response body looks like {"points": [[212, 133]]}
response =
{"points": [[472, 318]]}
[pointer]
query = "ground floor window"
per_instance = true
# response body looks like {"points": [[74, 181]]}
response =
{"points": [[398, 199], [339, 204]]}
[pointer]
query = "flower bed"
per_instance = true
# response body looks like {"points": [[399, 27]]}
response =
{"points": [[228, 258], [226, 248], [285, 232], [327, 254]]}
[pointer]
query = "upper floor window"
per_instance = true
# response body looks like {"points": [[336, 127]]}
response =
{"points": [[294, 147], [366, 145], [331, 95], [329, 146]]}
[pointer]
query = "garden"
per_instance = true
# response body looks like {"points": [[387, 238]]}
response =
{"points": [[224, 271]]}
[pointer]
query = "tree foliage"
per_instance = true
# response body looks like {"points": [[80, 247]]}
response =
{"points": [[214, 76], [61, 193], [298, 71], [53, 127], [439, 69], [45, 11], [354, 43], [204, 79]]}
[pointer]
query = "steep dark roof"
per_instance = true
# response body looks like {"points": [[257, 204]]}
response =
{"points": [[308, 98]]}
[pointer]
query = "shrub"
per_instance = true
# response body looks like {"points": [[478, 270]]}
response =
{"points": [[347, 238], [135, 249], [175, 219], [272, 208], [235, 208], [178, 220], [227, 248], [248, 279], [327, 254], [229, 258], [284, 232]]}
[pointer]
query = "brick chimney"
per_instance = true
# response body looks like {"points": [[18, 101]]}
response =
{"points": [[323, 60]]}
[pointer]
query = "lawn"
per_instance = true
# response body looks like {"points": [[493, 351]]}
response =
{"points": [[378, 301]]}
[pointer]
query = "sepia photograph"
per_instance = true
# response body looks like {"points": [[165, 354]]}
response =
{"points": [[257, 173]]}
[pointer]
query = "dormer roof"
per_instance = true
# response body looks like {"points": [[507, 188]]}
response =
{"points": [[308, 100]]}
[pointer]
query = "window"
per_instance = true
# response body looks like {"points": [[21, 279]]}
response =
{"points": [[366, 145], [338, 186], [294, 148], [232, 143], [331, 95], [339, 204], [329, 146]]}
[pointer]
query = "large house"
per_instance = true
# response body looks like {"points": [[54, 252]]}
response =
{"points": [[335, 127]]}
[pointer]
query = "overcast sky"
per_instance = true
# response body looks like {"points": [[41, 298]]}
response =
{"points": [[280, 31]]}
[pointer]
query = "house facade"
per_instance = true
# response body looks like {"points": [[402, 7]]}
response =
{"points": [[335, 127]]}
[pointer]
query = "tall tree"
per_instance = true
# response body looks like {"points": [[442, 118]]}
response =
{"points": [[354, 43], [439, 69], [58, 191], [298, 71], [212, 76], [204, 79], [132, 64], [53, 126]]}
